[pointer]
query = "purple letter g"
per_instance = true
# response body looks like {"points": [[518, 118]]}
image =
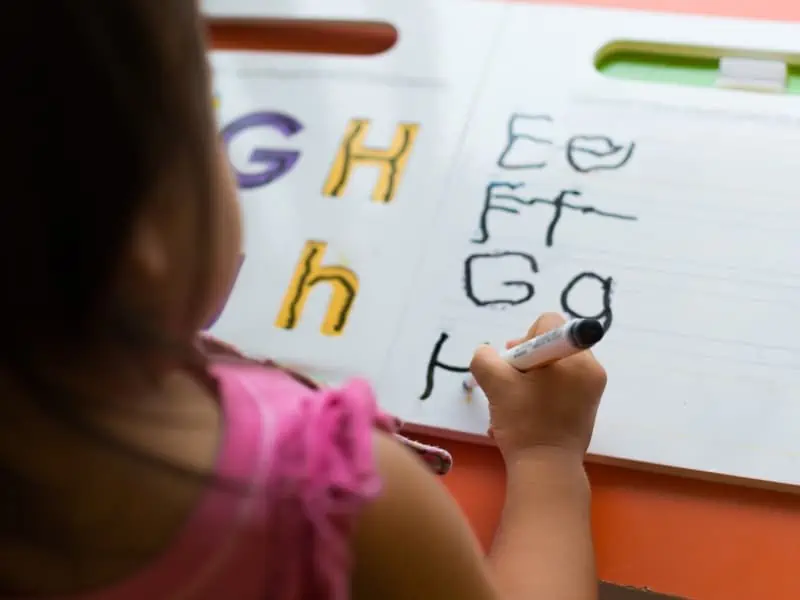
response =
{"points": [[276, 162]]}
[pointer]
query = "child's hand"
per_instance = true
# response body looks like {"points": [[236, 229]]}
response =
{"points": [[548, 407]]}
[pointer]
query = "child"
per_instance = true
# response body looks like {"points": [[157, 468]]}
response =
{"points": [[134, 465]]}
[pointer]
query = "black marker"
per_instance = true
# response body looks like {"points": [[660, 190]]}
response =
{"points": [[572, 337]]}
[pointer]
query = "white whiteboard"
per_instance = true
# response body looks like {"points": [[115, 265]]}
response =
{"points": [[674, 208]]}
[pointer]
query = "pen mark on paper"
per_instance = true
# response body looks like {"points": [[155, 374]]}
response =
{"points": [[605, 314], [525, 150], [493, 197], [588, 153], [504, 278], [480, 267], [434, 362], [530, 144]]}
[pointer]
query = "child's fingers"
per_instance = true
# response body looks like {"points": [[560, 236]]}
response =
{"points": [[546, 322], [543, 324]]}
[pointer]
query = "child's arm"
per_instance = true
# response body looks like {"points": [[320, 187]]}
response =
{"points": [[413, 543], [543, 548]]}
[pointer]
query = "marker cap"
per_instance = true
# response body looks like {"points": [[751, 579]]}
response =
{"points": [[585, 333]]}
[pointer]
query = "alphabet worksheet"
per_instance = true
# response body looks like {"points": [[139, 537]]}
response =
{"points": [[401, 209]]}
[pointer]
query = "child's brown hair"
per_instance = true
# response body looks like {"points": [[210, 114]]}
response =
{"points": [[103, 100]]}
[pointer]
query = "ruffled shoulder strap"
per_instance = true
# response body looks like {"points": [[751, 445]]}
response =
{"points": [[438, 459]]}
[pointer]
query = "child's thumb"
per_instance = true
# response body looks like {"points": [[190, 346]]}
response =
{"points": [[488, 368]]}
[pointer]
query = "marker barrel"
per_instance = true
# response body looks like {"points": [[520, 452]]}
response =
{"points": [[572, 337]]}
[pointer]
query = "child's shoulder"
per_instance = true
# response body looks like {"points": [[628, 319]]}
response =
{"points": [[308, 453]]}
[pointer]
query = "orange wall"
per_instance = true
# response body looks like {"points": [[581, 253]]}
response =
{"points": [[672, 535]]}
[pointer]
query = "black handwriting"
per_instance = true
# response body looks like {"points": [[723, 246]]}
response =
{"points": [[491, 259], [584, 153], [605, 314], [513, 137], [558, 203], [435, 362], [587, 153]]}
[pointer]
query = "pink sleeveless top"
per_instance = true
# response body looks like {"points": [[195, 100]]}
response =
{"points": [[306, 456]]}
